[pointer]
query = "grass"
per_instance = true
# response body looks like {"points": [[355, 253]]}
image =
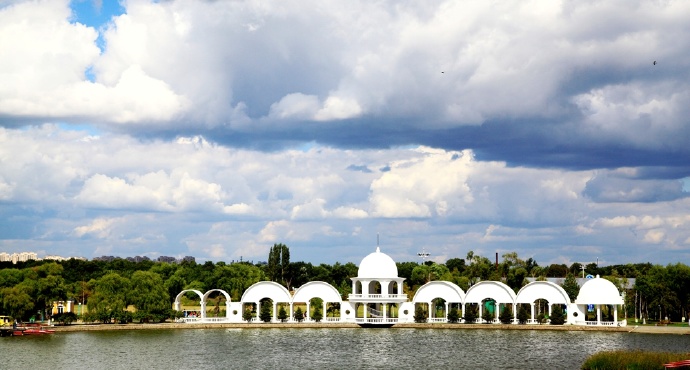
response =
{"points": [[632, 360]]}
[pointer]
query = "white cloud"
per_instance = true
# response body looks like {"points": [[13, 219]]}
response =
{"points": [[43, 66]]}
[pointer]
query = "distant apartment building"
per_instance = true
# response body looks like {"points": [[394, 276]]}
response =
{"points": [[18, 257]]}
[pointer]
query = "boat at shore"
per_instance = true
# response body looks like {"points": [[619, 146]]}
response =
{"points": [[9, 328]]}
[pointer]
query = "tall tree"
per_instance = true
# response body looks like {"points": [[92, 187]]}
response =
{"points": [[571, 287], [110, 296], [149, 295], [278, 264]]}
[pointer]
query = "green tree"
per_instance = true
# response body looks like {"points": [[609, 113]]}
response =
{"points": [[247, 315], [453, 315], [516, 278], [456, 264], [470, 314], [265, 314], [522, 315], [420, 315], [110, 296], [282, 314], [149, 296], [487, 316], [506, 315], [570, 286], [299, 315], [318, 314], [278, 264], [15, 302], [557, 315]]}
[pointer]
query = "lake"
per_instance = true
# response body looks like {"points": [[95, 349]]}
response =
{"points": [[319, 348]]}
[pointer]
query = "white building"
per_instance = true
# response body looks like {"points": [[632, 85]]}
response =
{"points": [[377, 299]]}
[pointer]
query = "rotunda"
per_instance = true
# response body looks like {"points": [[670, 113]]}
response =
{"points": [[595, 294], [377, 291]]}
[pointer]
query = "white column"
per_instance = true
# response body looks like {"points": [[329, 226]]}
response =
{"points": [[514, 312], [323, 310], [429, 313], [274, 312], [531, 307], [306, 314], [615, 314], [446, 312], [498, 309], [481, 310], [598, 315], [203, 310], [384, 312], [291, 318], [550, 310]]}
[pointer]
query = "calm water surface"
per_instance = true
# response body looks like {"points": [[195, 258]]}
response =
{"points": [[335, 348]]}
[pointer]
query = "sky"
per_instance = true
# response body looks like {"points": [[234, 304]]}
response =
{"points": [[555, 129]]}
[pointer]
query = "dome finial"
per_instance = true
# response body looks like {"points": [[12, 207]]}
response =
{"points": [[378, 250]]}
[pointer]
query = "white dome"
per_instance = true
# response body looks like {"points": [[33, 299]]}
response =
{"points": [[377, 265], [599, 291]]}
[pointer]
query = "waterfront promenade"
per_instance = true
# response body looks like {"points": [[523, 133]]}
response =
{"points": [[684, 330]]}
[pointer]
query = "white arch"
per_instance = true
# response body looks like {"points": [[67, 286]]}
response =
{"points": [[496, 290], [450, 292], [553, 293], [319, 289], [266, 289], [227, 296], [201, 297], [227, 300]]}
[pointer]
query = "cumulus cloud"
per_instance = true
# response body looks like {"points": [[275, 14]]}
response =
{"points": [[535, 126], [449, 73]]}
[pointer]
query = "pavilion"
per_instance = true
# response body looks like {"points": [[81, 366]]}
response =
{"points": [[377, 299]]}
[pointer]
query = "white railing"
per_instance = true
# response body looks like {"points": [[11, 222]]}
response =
{"points": [[215, 319], [598, 323], [437, 319], [377, 296], [369, 320], [331, 319], [189, 319]]}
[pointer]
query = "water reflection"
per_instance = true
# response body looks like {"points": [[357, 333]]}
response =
{"points": [[311, 348]]}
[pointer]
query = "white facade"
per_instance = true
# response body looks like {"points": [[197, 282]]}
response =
{"points": [[377, 298]]}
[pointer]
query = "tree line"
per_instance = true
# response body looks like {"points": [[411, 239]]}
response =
{"points": [[107, 288]]}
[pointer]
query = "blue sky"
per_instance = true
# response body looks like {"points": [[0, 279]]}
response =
{"points": [[217, 129]]}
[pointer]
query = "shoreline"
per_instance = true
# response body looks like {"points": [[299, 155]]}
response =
{"points": [[685, 330]]}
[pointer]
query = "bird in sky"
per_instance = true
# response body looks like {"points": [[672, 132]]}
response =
{"points": [[654, 62]]}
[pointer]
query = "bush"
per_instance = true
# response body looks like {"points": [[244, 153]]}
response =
{"points": [[282, 314], [65, 318], [522, 315], [420, 315], [557, 316], [453, 315], [317, 316], [614, 360], [487, 316], [470, 314], [247, 315], [506, 316], [299, 315], [265, 314]]}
